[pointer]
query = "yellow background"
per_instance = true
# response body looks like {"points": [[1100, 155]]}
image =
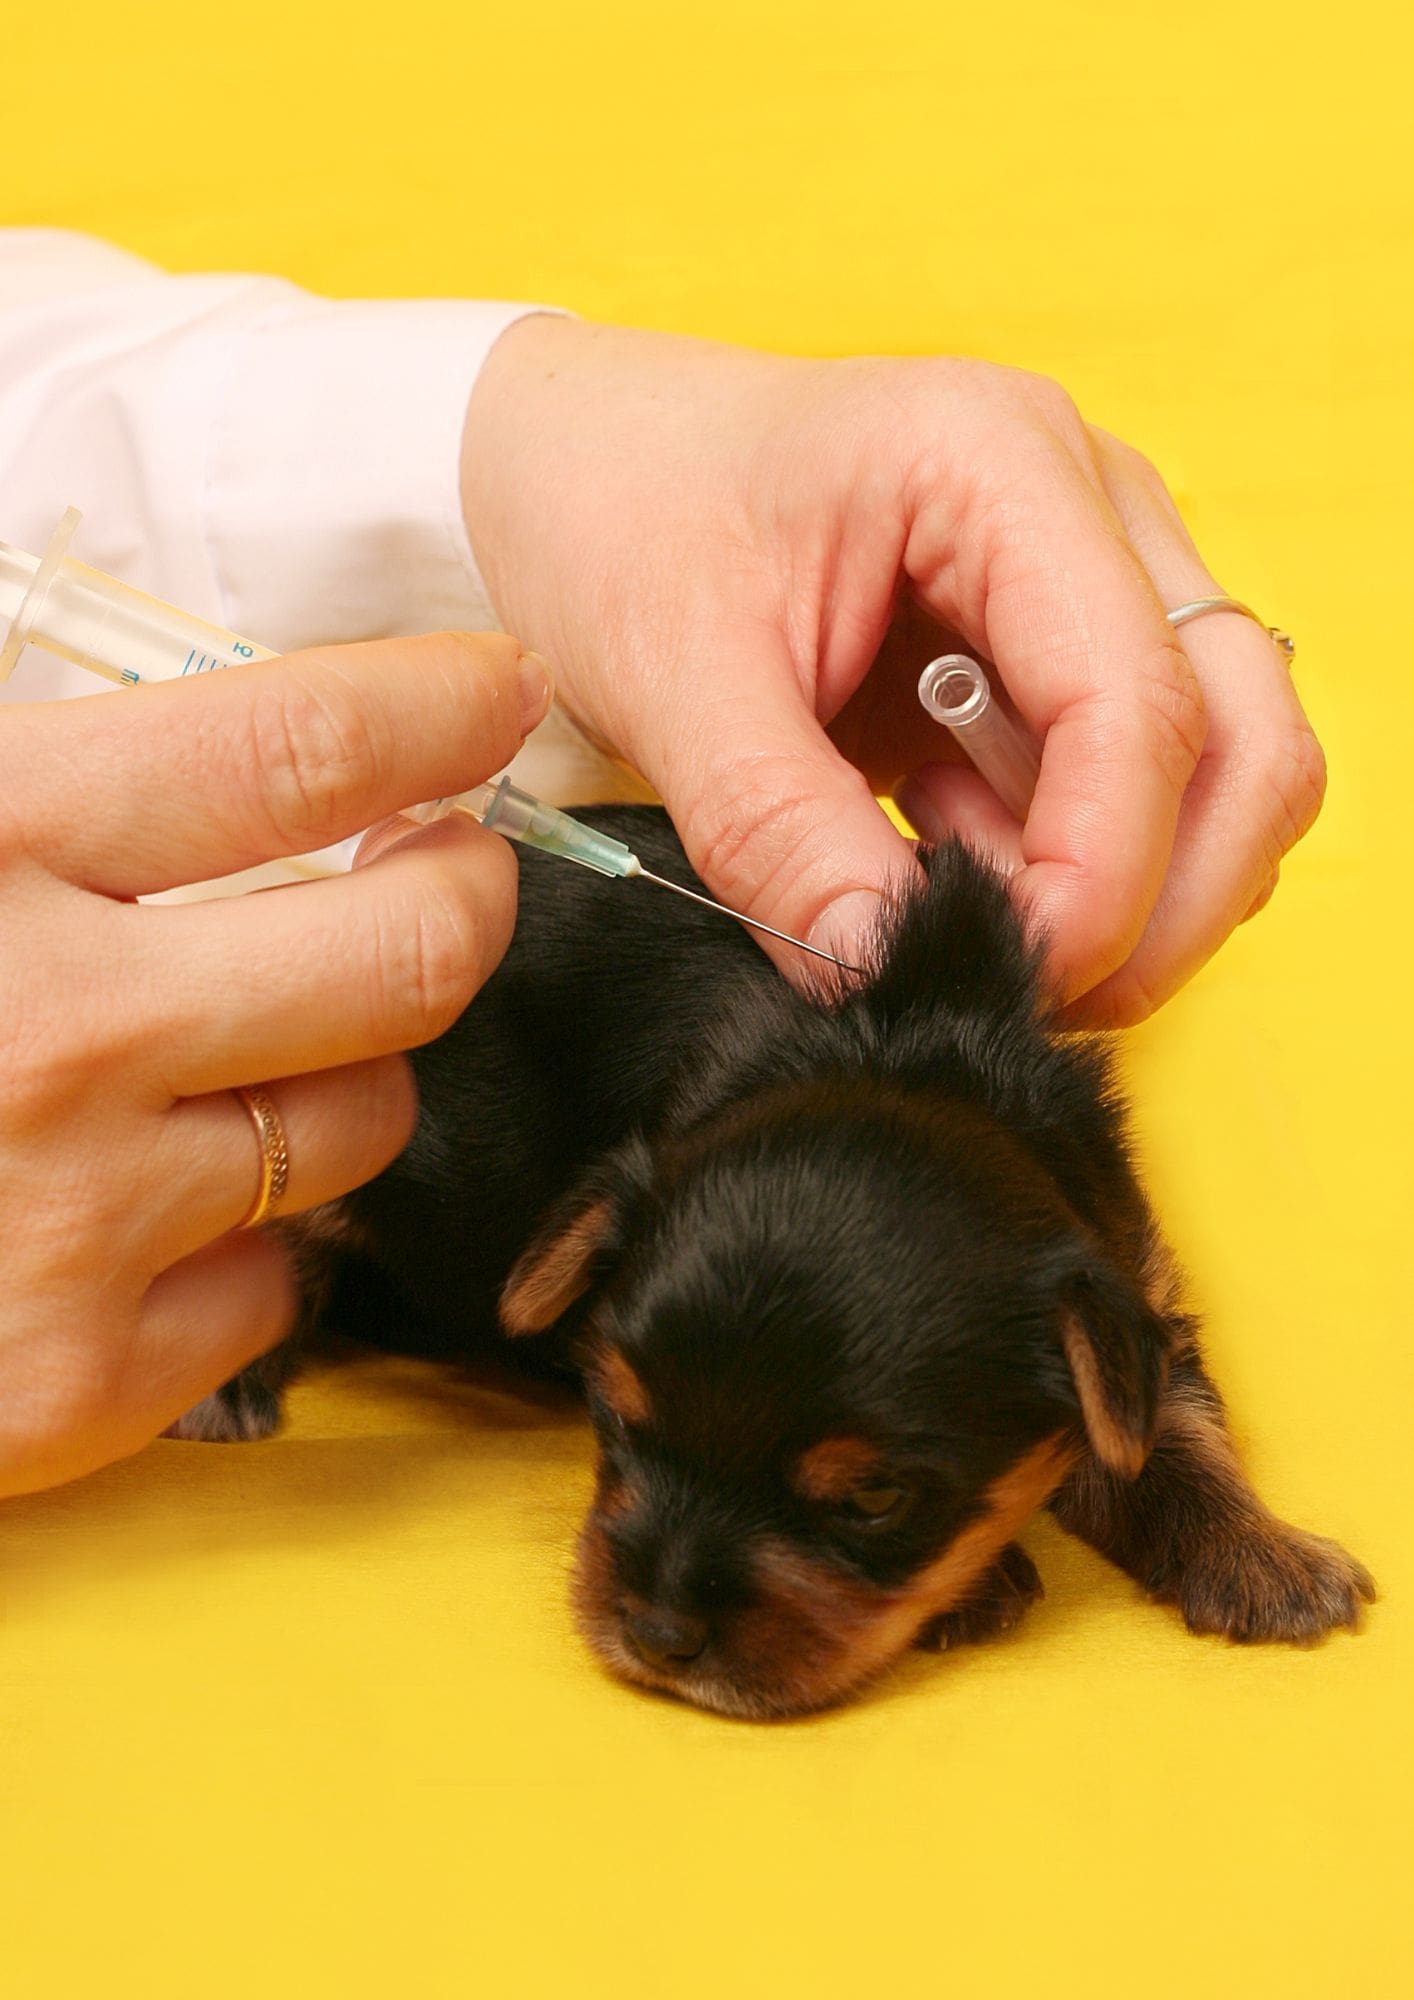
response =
{"points": [[309, 1718]]}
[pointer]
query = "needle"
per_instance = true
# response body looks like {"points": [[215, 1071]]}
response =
{"points": [[815, 950], [516, 815]]}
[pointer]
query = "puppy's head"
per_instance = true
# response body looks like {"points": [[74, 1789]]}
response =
{"points": [[839, 1345]]}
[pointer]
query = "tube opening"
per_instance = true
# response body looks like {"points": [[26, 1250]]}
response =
{"points": [[954, 690]]}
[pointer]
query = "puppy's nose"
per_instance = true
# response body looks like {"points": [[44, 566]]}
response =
{"points": [[665, 1639]]}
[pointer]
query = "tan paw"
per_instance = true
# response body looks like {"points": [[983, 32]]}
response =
{"points": [[241, 1411], [1274, 1582]]}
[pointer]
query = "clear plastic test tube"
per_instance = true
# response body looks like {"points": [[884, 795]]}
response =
{"points": [[956, 691]]}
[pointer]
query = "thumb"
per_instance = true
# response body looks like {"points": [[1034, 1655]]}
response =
{"points": [[778, 825]]}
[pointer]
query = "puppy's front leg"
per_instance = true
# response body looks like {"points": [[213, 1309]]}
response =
{"points": [[246, 1408], [1191, 1529], [250, 1405], [997, 1601]]}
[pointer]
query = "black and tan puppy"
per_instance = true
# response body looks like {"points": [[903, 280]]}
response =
{"points": [[855, 1286]]}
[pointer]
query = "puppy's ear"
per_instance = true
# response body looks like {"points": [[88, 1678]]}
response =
{"points": [[1117, 1348], [576, 1243]]}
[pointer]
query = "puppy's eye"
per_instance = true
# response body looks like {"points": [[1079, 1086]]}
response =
{"points": [[878, 1504]]}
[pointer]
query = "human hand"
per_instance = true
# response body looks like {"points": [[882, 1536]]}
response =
{"points": [[126, 1164], [729, 554]]}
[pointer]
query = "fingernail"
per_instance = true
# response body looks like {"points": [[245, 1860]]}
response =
{"points": [[537, 687], [845, 926], [380, 837]]}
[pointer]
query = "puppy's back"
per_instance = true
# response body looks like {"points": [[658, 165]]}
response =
{"points": [[620, 1008], [604, 992]]}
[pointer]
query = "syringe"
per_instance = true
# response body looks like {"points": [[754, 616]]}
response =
{"points": [[106, 626], [130, 638], [507, 810]]}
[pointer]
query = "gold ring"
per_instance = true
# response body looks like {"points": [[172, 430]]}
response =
{"points": [[274, 1153], [1197, 607]]}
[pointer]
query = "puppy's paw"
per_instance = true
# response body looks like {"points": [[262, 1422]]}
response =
{"points": [[1272, 1583], [998, 1601], [242, 1410]]}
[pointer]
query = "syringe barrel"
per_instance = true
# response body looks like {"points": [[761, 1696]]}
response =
{"points": [[955, 690], [112, 629]]}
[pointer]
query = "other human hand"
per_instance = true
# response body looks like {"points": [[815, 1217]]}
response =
{"points": [[740, 564]]}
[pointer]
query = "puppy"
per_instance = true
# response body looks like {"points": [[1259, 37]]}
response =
{"points": [[854, 1286]]}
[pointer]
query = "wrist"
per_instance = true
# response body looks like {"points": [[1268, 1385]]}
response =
{"points": [[506, 420]]}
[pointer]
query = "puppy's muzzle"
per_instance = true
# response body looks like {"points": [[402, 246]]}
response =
{"points": [[667, 1640]]}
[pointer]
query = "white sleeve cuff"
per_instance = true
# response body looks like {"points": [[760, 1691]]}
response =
{"points": [[332, 494]]}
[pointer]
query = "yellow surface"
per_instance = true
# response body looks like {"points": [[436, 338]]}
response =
{"points": [[309, 1718]]}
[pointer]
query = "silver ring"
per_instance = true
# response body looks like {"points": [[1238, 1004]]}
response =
{"points": [[1198, 606]]}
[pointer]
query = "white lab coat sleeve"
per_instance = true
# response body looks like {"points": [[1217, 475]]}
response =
{"points": [[284, 465]]}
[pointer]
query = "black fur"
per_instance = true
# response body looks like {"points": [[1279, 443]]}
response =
{"points": [[899, 1222]]}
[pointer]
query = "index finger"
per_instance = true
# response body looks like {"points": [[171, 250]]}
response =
{"points": [[1056, 596], [175, 783]]}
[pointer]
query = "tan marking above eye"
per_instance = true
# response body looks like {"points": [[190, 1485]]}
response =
{"points": [[620, 1387], [833, 1468]]}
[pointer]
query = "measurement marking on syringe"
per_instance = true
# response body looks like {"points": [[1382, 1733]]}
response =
{"points": [[141, 638]]}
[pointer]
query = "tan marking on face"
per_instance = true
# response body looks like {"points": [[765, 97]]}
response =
{"points": [[593, 1590], [616, 1498], [1120, 1449], [547, 1280], [815, 1633], [779, 1649], [620, 1387], [872, 1635], [833, 1468], [810, 1618]]}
